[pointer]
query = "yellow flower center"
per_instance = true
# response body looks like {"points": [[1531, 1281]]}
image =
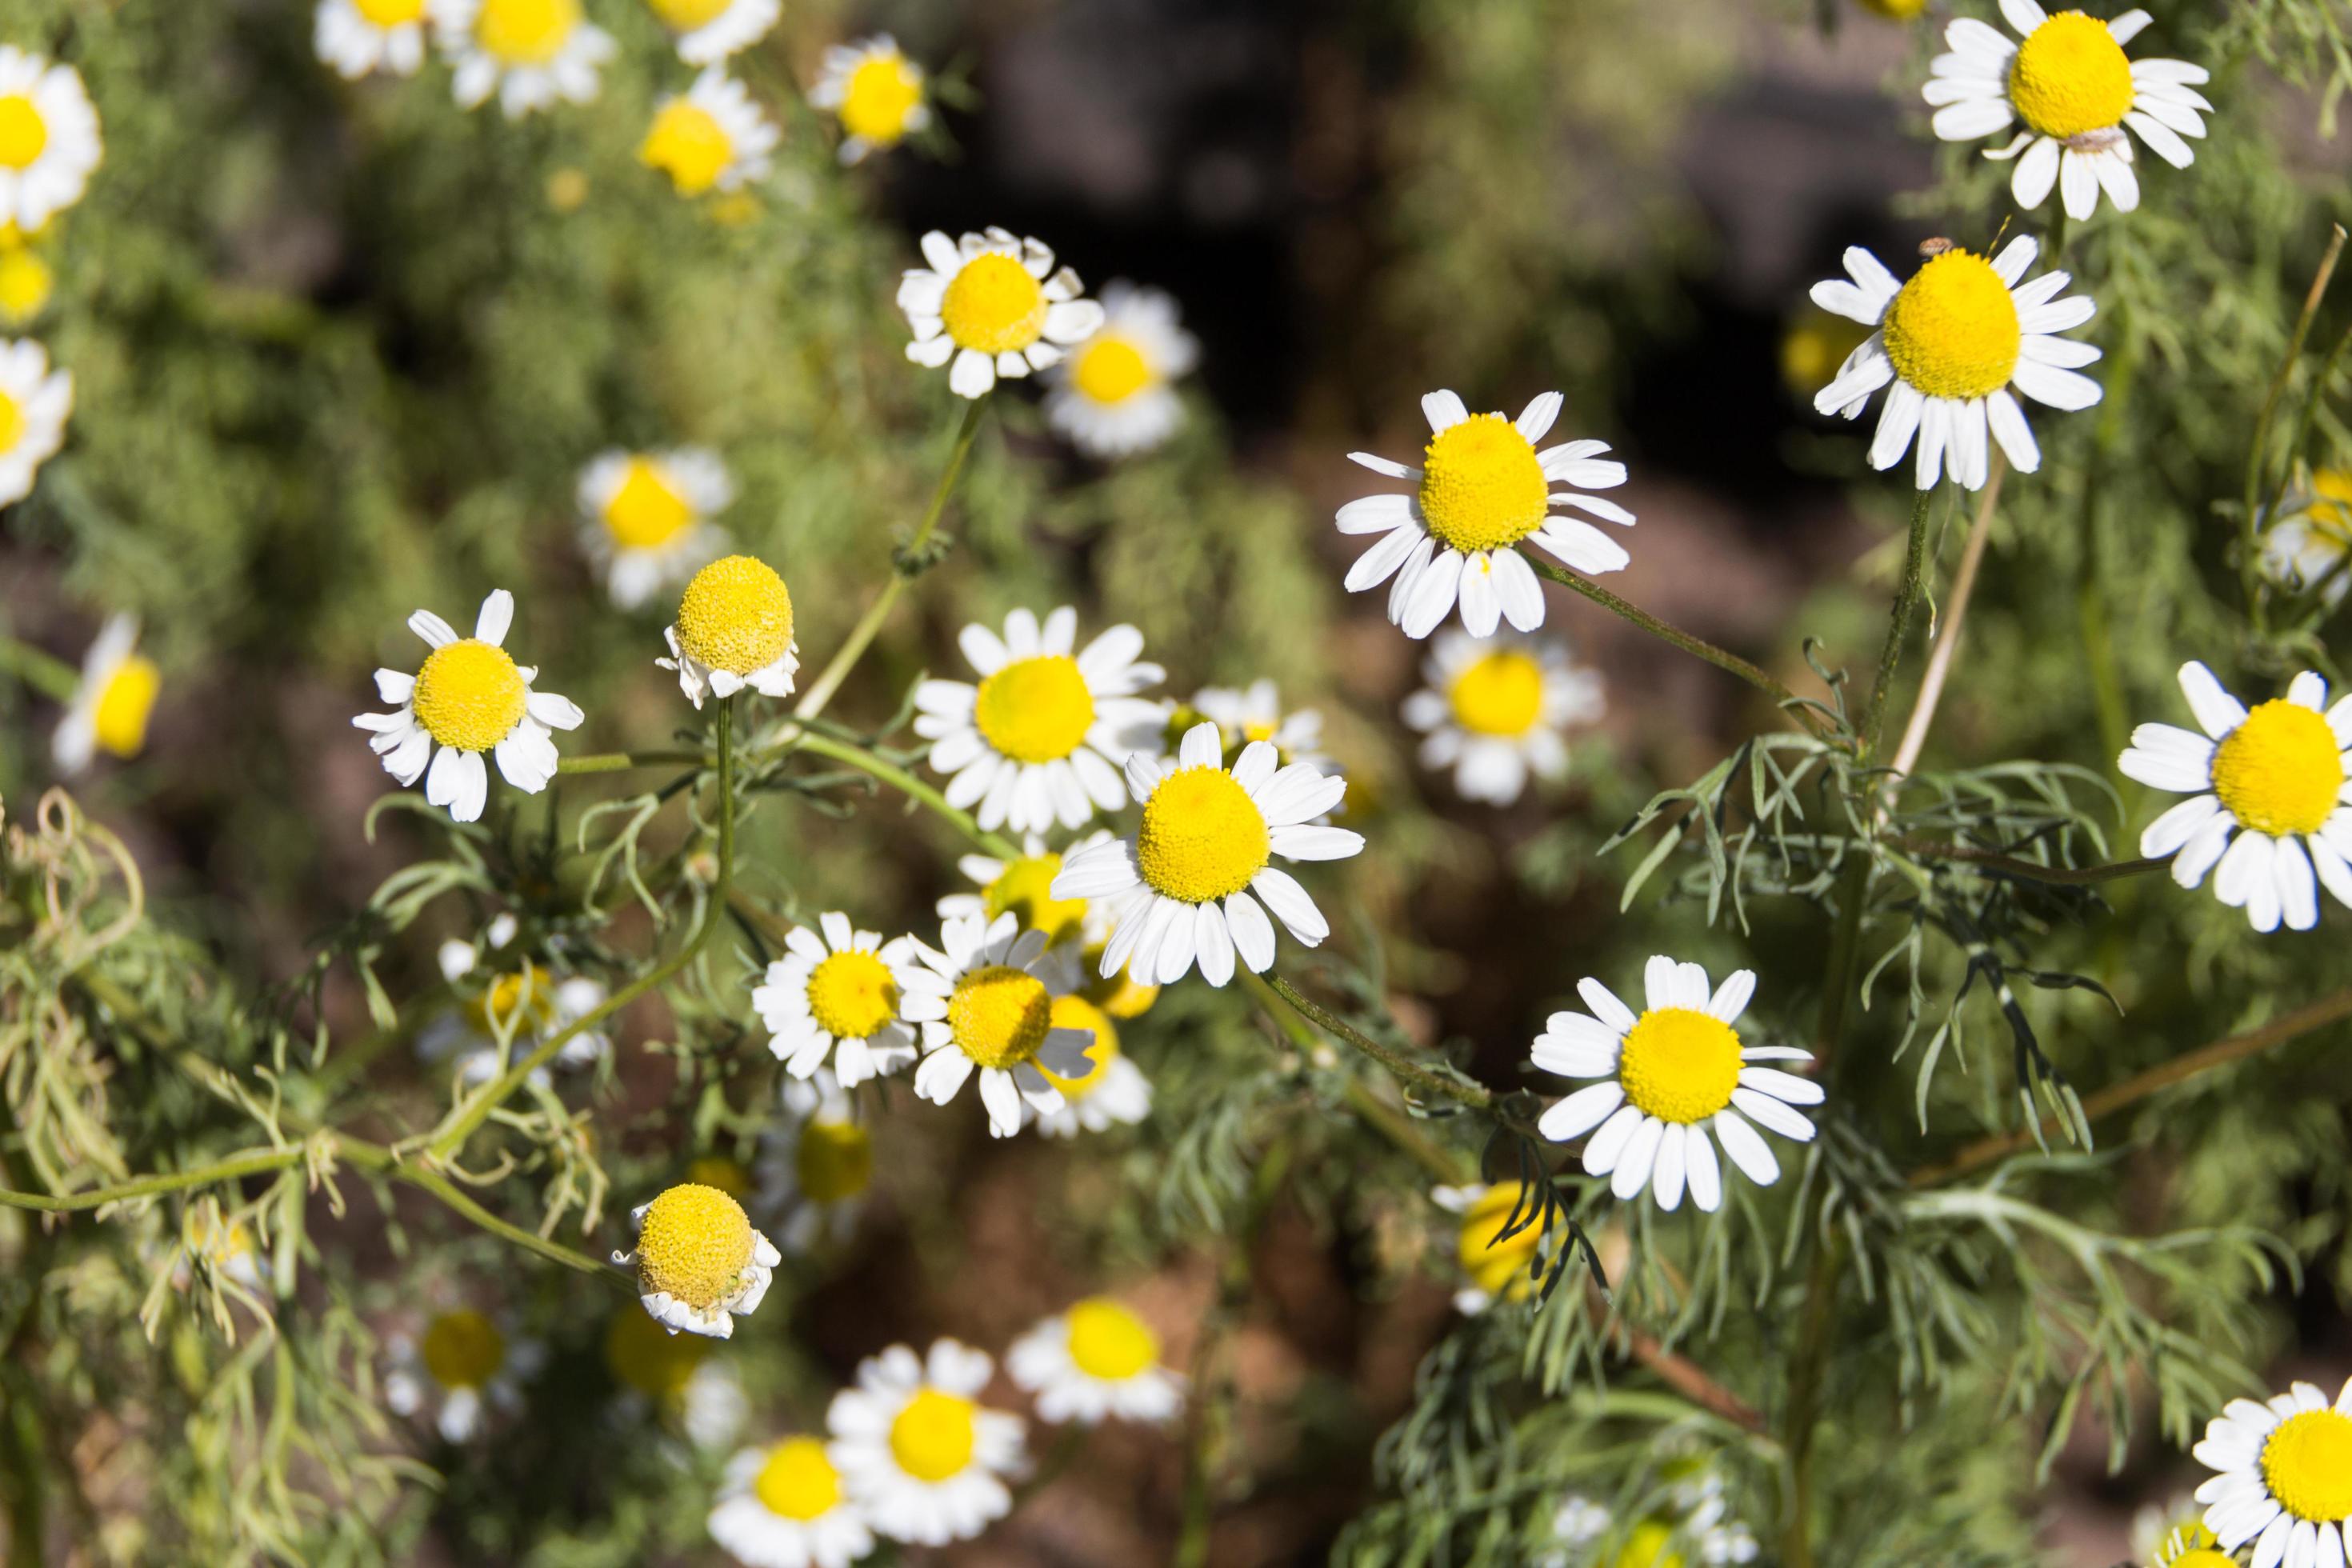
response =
{"points": [[469, 695], [718, 1171], [2203, 1557], [1895, 10], [1679, 1064], [1077, 1013], [851, 995], [1498, 1267], [2307, 1462], [1203, 837], [525, 32], [1108, 1343], [649, 1358], [123, 707], [1110, 370], [932, 1437], [735, 616], [687, 143], [998, 1015], [994, 305], [1481, 486], [646, 512], [1035, 710], [1646, 1547], [833, 1162], [26, 283], [1501, 694], [798, 1482], [2332, 489], [463, 1349], [389, 13], [23, 133], [1814, 347], [883, 91], [694, 1246], [12, 422], [526, 997], [686, 16], [2070, 76], [1025, 887], [1119, 996], [1953, 331], [2281, 771]]}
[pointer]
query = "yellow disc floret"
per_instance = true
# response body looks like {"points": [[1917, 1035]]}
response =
{"points": [[1500, 694], [120, 718], [735, 616], [686, 16], [1680, 1064], [646, 512], [851, 995], [525, 32], [833, 1161], [469, 695], [798, 1482], [721, 1172], [1119, 996], [1110, 369], [522, 1000], [1646, 1547], [2281, 771], [999, 1016], [12, 422], [882, 95], [23, 133], [1024, 887], [2307, 1463], [932, 1437], [994, 305], [1953, 331], [1203, 837], [391, 13], [2331, 507], [1077, 1013], [26, 284], [1481, 486], [1498, 1264], [689, 144], [694, 1245], [2070, 76], [649, 1358], [463, 1349], [1035, 710], [1109, 1342]]}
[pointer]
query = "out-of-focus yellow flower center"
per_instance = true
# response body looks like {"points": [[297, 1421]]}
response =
{"points": [[121, 719], [718, 1171], [2332, 507], [1814, 347], [998, 1015], [2307, 1462], [525, 32], [851, 995], [686, 16], [694, 1246], [1500, 694], [735, 616], [994, 305], [2070, 76], [463, 1349], [1895, 10], [1119, 996], [798, 1482], [1075, 1012], [2281, 771], [1035, 710], [26, 284], [1203, 837], [1953, 331], [12, 422], [687, 143], [1500, 1267], [2202, 1557], [1646, 1547], [219, 1242], [833, 1161], [932, 1438], [650, 1358], [1110, 369], [1679, 1064], [389, 13], [469, 695], [1481, 486], [1025, 887], [647, 511], [23, 133], [523, 1001], [882, 95], [1109, 1342]]}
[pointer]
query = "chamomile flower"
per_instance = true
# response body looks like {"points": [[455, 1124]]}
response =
{"points": [[360, 36], [1115, 1094], [645, 517], [699, 1263], [2275, 777], [985, 1000], [817, 1167], [734, 629], [531, 53], [782, 1506], [923, 1459], [1094, 1361], [1576, 1524], [2309, 544], [708, 31], [2190, 1545], [876, 92], [111, 703], [1951, 345], [993, 303], [2285, 1481], [27, 282], [1483, 486], [1021, 885], [673, 1378], [465, 1365], [1670, 1075], [469, 696], [213, 1241], [48, 140], [838, 993], [1495, 709], [33, 404], [515, 1005], [1114, 396], [1500, 1268], [1253, 712], [1182, 884], [1041, 736], [2071, 84], [712, 137]]}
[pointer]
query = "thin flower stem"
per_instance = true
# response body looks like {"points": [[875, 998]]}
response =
{"points": [[2248, 556], [1992, 861], [1947, 633], [622, 761], [906, 784], [1898, 624], [51, 677], [1430, 1084], [251, 1164]]}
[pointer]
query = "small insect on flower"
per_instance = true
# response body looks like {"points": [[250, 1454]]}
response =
{"points": [[712, 137], [469, 696], [518, 1003], [465, 1365], [48, 143], [2286, 1477], [358, 37], [33, 404], [1953, 342], [1671, 1074], [1114, 396], [699, 1263], [1181, 887], [1253, 712], [993, 303], [923, 1459], [734, 629], [876, 92], [1094, 1361], [2308, 546], [2071, 83], [816, 1165], [782, 1506], [531, 53], [1495, 709], [1040, 738], [708, 31], [2274, 776], [1484, 487], [111, 703], [1115, 1094], [1500, 1268], [837, 992], [985, 1000], [645, 517]]}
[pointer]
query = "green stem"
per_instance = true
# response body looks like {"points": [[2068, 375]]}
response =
{"points": [[2260, 451], [251, 1164], [51, 677], [2031, 870], [906, 784], [622, 761], [1898, 624], [1428, 1084]]}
